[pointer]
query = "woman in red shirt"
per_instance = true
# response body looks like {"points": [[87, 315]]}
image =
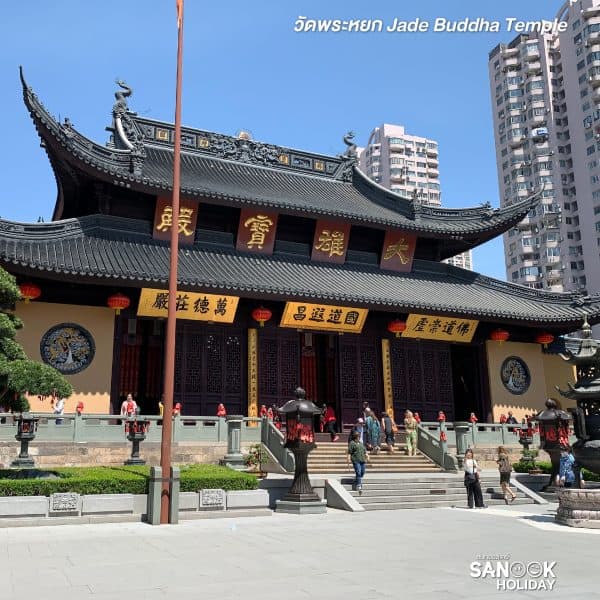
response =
{"points": [[221, 412], [331, 423]]}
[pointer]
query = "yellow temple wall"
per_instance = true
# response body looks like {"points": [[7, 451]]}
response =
{"points": [[92, 385], [546, 371]]}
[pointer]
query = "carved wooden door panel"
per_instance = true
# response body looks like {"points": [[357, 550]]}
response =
{"points": [[359, 375], [210, 368], [279, 359], [421, 379]]}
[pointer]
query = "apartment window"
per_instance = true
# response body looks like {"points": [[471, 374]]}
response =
{"points": [[515, 275], [590, 150], [529, 271], [597, 225], [575, 24], [582, 78], [504, 152], [593, 28], [583, 93], [550, 252], [596, 194], [592, 56], [573, 266], [585, 106], [580, 65]]}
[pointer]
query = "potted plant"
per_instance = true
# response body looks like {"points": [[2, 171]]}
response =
{"points": [[255, 459], [528, 459]]}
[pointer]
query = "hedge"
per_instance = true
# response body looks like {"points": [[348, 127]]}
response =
{"points": [[546, 467], [121, 480]]}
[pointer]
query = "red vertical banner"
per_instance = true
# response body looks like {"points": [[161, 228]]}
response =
{"points": [[331, 241], [256, 231], [398, 251]]}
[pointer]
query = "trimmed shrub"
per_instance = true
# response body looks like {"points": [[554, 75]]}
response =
{"points": [[546, 467], [120, 480]]}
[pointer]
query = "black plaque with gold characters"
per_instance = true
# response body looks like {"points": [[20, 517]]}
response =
{"points": [[515, 375], [67, 347]]}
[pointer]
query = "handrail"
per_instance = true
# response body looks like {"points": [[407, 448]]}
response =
{"points": [[434, 448], [274, 441]]}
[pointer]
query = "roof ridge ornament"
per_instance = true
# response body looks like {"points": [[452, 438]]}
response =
{"points": [[123, 124], [349, 158]]}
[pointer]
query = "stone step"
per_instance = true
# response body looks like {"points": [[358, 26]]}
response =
{"points": [[435, 504], [334, 470]]}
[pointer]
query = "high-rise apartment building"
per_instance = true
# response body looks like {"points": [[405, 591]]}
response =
{"points": [[545, 93], [408, 165]]}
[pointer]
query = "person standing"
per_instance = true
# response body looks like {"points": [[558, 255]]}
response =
{"points": [[410, 424], [373, 432], [566, 474], [358, 455], [389, 428], [505, 469], [221, 412], [473, 418], [330, 423], [129, 406], [472, 481], [59, 409], [360, 429]]}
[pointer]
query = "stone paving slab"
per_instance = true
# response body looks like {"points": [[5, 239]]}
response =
{"points": [[419, 554]]}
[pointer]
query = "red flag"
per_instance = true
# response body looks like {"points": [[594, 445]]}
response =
{"points": [[179, 4]]}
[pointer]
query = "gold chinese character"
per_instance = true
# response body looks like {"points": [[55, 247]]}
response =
{"points": [[399, 249], [185, 219], [331, 242], [259, 226]]}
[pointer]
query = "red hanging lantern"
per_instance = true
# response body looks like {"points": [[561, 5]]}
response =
{"points": [[544, 338], [397, 326], [29, 291], [499, 335], [262, 315], [118, 302]]}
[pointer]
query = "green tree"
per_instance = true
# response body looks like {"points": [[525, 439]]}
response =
{"points": [[19, 374]]}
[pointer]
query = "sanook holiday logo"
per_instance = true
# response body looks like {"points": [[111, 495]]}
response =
{"points": [[437, 25], [511, 576]]}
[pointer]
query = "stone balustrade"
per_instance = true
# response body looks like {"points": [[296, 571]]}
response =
{"points": [[110, 428]]}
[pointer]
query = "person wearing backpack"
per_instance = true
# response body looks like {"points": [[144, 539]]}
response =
{"points": [[505, 469]]}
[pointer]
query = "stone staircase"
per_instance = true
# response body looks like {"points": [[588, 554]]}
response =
{"points": [[330, 458], [444, 490]]}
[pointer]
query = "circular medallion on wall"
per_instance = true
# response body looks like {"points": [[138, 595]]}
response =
{"points": [[515, 375], [67, 347]]}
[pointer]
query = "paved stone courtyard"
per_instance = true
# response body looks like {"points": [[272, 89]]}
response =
{"points": [[387, 554]]}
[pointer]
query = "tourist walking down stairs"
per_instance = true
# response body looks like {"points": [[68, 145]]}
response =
{"points": [[505, 469], [357, 453]]}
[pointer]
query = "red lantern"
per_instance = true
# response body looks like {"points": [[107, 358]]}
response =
{"points": [[499, 335], [118, 302], [262, 315], [29, 291], [397, 326], [544, 338]]}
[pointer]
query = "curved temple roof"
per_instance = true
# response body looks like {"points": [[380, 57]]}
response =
{"points": [[106, 249], [238, 171]]}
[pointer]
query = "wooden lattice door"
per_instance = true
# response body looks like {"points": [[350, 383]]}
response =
{"points": [[210, 368], [422, 379], [359, 367]]}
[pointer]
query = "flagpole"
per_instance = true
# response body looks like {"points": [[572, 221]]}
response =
{"points": [[169, 380]]}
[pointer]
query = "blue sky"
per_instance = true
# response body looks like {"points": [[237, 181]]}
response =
{"points": [[246, 68]]}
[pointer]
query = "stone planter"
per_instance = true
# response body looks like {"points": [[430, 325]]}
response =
{"points": [[578, 508]]}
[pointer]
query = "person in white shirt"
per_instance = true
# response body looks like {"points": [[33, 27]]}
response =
{"points": [[472, 481], [59, 409]]}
